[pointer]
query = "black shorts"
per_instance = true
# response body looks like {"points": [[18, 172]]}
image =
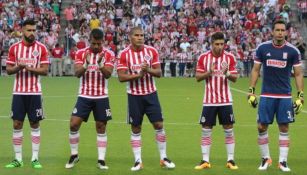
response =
{"points": [[138, 105], [100, 107], [189, 65], [224, 113], [27, 104]]}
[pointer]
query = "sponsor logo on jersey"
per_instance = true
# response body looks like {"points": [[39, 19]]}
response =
{"points": [[284, 55], [276, 63], [92, 67], [136, 68], [27, 61]]}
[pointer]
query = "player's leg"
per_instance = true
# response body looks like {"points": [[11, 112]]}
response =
{"points": [[154, 113], [207, 120], [227, 119], [135, 119], [102, 113], [18, 112], [79, 114], [35, 114], [266, 113], [284, 116]]}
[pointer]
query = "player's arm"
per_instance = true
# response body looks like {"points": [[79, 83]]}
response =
{"points": [[124, 76], [13, 69], [42, 70], [232, 77], [204, 75], [79, 70], [106, 71], [299, 78], [155, 70], [254, 75]]}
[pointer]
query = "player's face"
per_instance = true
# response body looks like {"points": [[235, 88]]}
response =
{"points": [[279, 33], [96, 45], [29, 33], [218, 47], [137, 38]]}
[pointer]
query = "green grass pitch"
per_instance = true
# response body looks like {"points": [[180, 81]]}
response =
{"points": [[181, 100]]}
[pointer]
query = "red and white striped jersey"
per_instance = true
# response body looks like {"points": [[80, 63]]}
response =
{"points": [[33, 56], [217, 89], [92, 82], [131, 61]]}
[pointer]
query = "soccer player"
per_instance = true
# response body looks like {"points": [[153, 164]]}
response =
{"points": [[28, 60], [277, 57], [138, 64], [93, 65], [217, 67]]}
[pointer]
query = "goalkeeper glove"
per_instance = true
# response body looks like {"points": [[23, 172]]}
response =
{"points": [[251, 98], [298, 103]]}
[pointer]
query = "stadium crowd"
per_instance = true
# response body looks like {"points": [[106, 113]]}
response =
{"points": [[179, 29]]}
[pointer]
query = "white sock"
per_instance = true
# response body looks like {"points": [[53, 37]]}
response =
{"points": [[284, 142], [136, 144], [36, 138], [74, 142], [102, 141], [263, 142], [206, 143], [17, 143], [230, 143], [161, 142]]}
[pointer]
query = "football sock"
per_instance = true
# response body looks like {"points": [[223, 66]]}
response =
{"points": [[206, 143], [230, 143], [263, 142], [284, 142], [17, 143], [74, 142], [36, 138], [161, 142], [102, 141], [136, 144]]}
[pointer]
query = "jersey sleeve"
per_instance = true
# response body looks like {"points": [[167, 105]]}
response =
{"points": [[44, 56], [11, 59], [297, 58], [258, 56], [110, 58], [79, 57], [200, 65], [232, 65], [122, 62], [155, 59]]}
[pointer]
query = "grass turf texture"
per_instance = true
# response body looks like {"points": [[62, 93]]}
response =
{"points": [[181, 101]]}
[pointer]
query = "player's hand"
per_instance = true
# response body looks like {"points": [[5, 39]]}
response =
{"points": [[21, 66], [251, 98], [145, 66], [299, 102], [211, 70], [101, 59], [87, 59]]}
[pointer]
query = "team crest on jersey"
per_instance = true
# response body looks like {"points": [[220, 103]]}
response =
{"points": [[147, 58], [202, 119], [224, 64], [284, 55], [35, 53]]}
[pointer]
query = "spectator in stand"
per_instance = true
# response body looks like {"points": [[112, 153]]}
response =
{"points": [[57, 60]]}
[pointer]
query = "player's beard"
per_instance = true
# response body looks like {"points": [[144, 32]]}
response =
{"points": [[30, 39]]}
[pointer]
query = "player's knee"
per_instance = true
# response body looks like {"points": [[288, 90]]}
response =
{"points": [[158, 125], [136, 129], [17, 124], [262, 129]]}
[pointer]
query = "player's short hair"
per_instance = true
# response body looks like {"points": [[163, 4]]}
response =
{"points": [[279, 21], [97, 34], [217, 36], [29, 22], [134, 29]]}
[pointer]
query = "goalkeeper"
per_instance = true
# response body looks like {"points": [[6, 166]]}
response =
{"points": [[277, 58]]}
